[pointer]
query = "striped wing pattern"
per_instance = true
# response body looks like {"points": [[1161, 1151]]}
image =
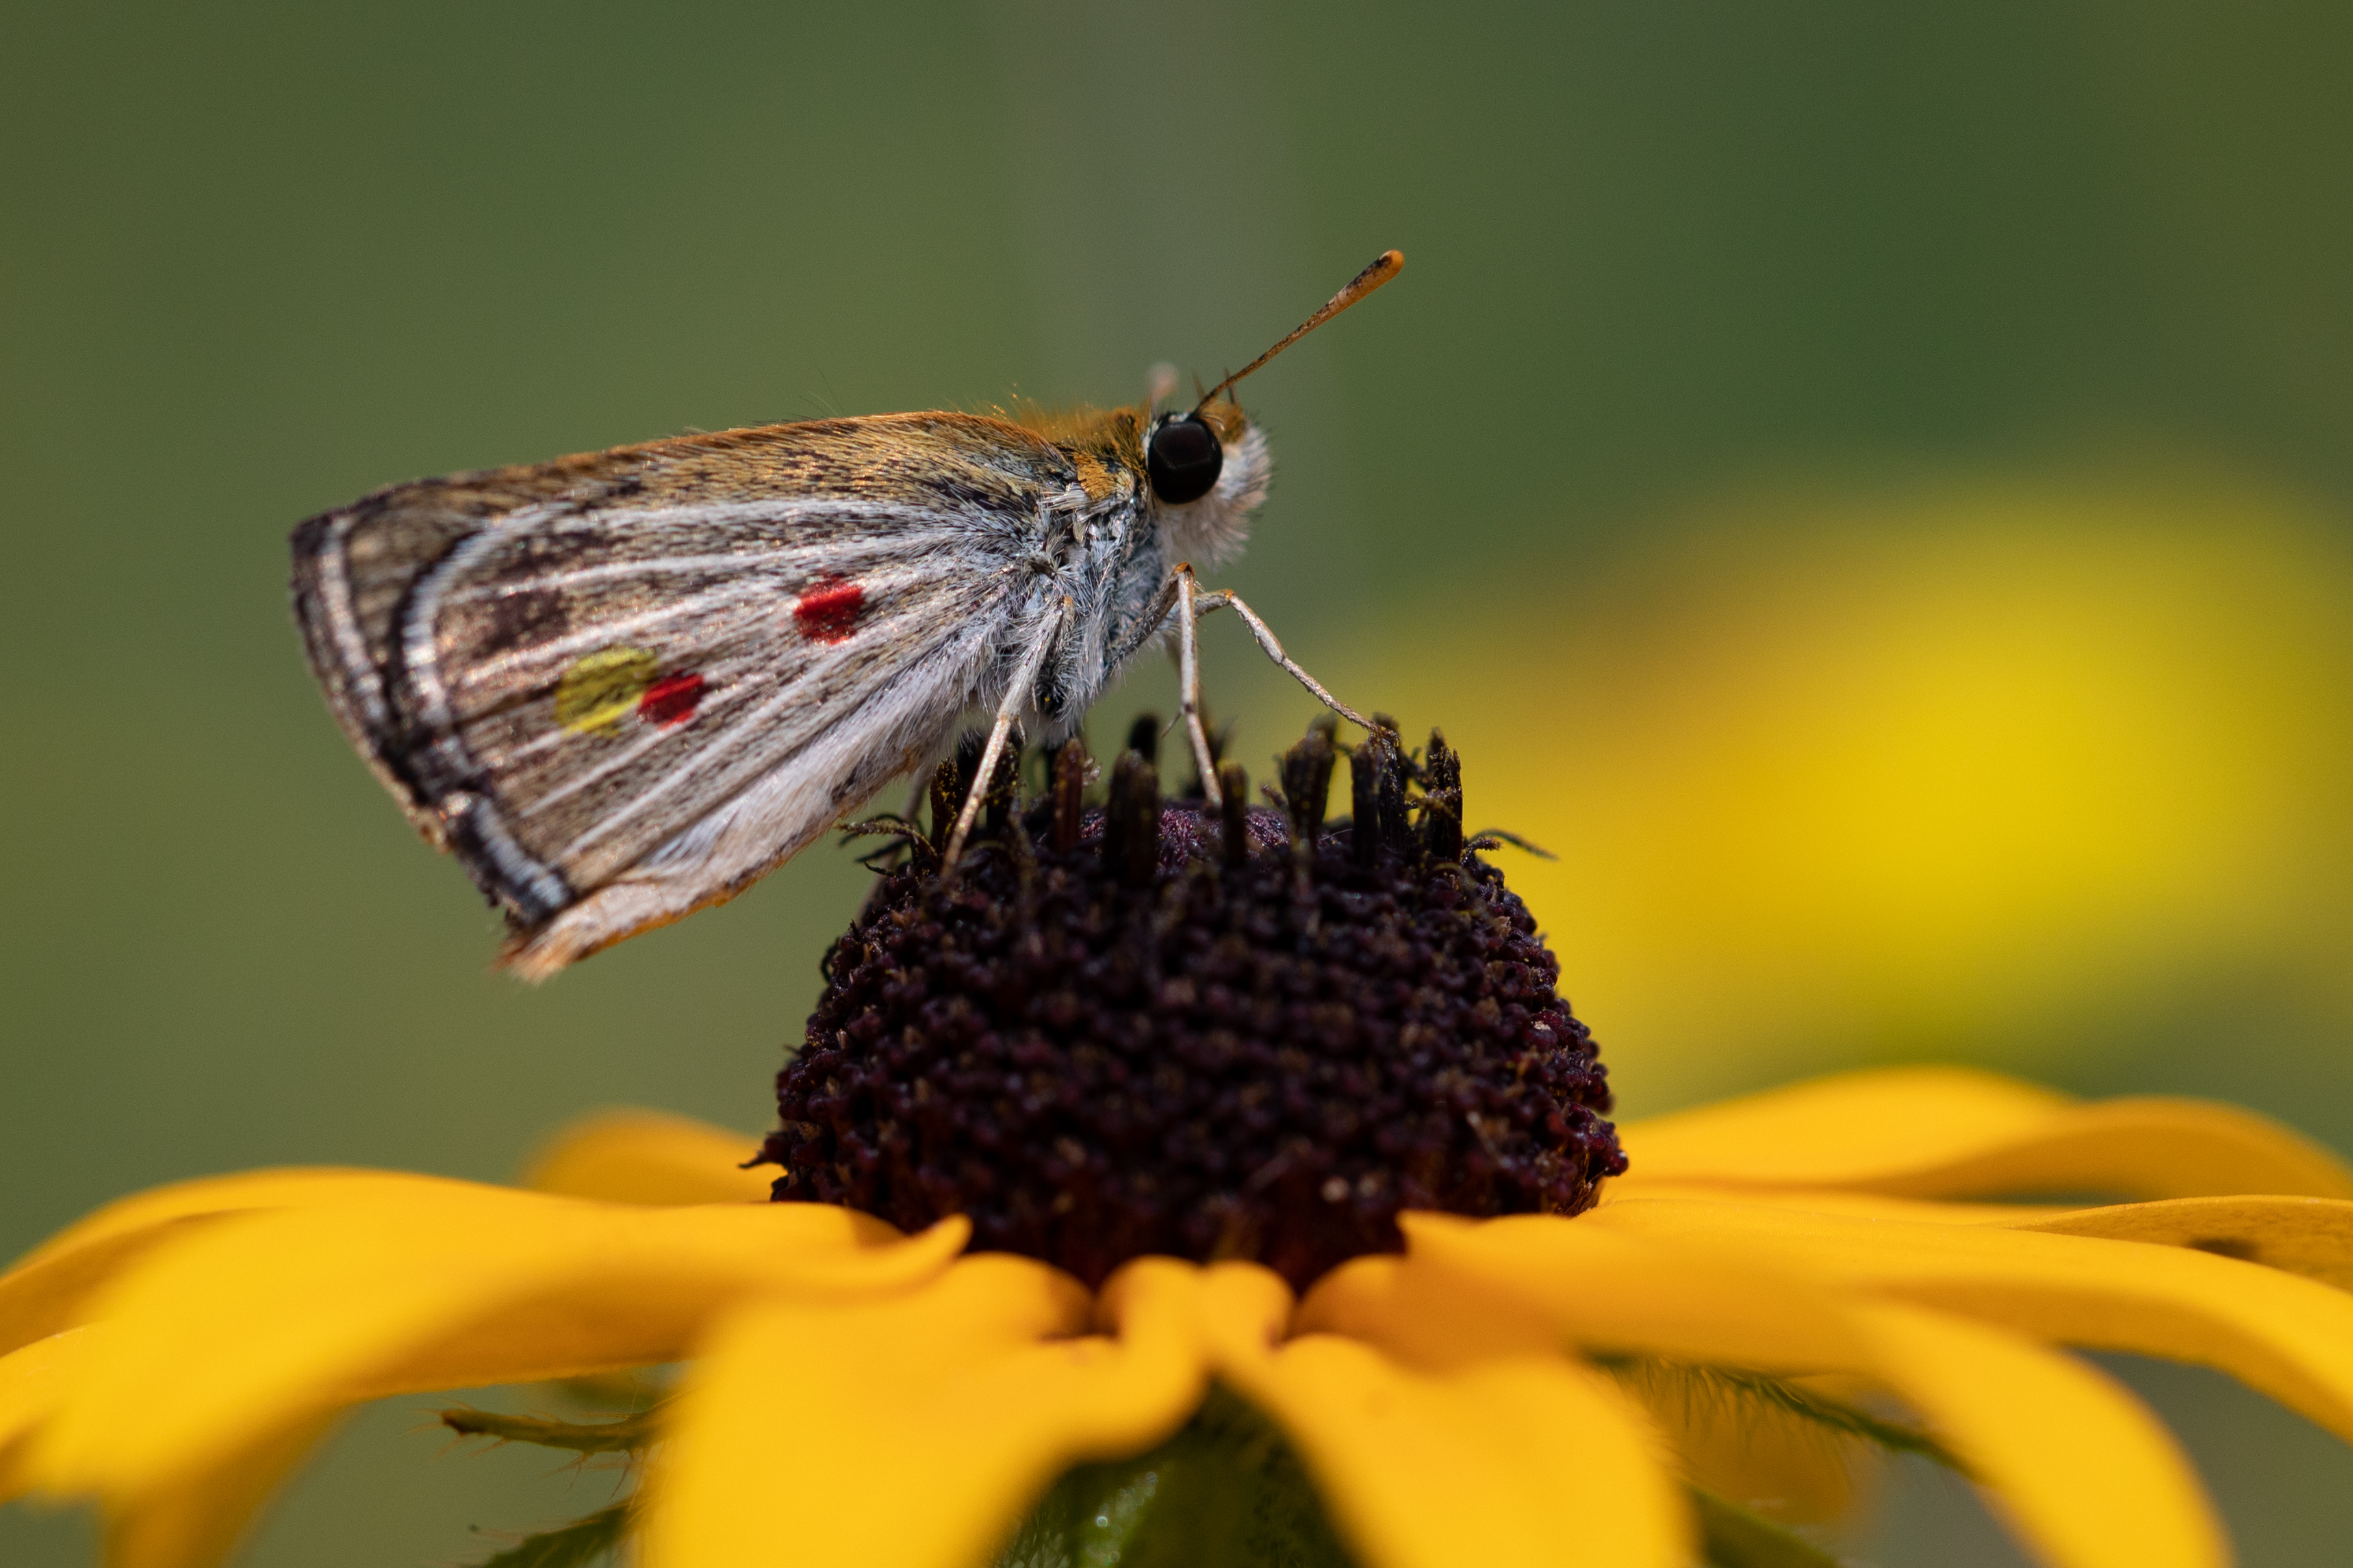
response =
{"points": [[623, 686]]}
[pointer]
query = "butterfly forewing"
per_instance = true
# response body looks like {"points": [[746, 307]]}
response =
{"points": [[676, 662], [689, 677]]}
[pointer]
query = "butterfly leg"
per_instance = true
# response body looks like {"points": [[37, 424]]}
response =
{"points": [[1223, 599], [1188, 682], [1024, 682]]}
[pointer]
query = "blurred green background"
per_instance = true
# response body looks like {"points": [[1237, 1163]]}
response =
{"points": [[1870, 485]]}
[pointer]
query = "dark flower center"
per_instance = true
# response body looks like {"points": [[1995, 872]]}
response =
{"points": [[1147, 1027]]}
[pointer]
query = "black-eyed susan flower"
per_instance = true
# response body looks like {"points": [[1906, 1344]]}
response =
{"points": [[1155, 1152]]}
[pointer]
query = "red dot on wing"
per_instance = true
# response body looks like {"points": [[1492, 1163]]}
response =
{"points": [[828, 612], [671, 701]]}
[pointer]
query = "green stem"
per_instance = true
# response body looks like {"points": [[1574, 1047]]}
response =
{"points": [[627, 1435]]}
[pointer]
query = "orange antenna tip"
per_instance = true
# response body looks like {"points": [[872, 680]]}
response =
{"points": [[1385, 266]]}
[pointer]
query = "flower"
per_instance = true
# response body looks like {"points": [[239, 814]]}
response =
{"points": [[1507, 1385], [1155, 1029]]}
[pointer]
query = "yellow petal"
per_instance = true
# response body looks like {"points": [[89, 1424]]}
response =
{"points": [[1817, 1131], [914, 1433], [1952, 1132], [1469, 1292], [2148, 1146], [2076, 1466], [281, 1187], [1857, 1205], [1472, 1291], [1508, 1462], [1535, 1282], [224, 1335], [1998, 1400], [43, 1293], [1245, 1309], [2311, 1237], [195, 1520], [2289, 1338], [647, 1157], [32, 1380]]}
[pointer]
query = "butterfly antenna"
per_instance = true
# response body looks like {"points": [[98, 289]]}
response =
{"points": [[1386, 265]]}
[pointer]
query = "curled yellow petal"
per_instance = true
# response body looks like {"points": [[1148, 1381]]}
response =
{"points": [[1509, 1462], [2147, 1146], [914, 1433], [33, 1379], [1953, 1133], [2076, 1466], [2287, 1337], [283, 1187], [2311, 1237], [649, 1157], [221, 1336], [44, 1292]]}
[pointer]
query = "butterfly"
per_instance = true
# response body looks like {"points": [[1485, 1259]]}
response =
{"points": [[622, 685]]}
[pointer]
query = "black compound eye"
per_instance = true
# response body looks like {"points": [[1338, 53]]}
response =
{"points": [[1183, 459]]}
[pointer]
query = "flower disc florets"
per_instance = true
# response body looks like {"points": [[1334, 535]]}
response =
{"points": [[1211, 1033]]}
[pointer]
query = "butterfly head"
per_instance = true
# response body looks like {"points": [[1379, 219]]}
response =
{"points": [[1208, 471], [1207, 467]]}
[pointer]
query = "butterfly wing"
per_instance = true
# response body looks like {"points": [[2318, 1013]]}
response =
{"points": [[622, 685]]}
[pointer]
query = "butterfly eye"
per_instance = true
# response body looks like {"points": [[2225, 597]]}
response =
{"points": [[1183, 459]]}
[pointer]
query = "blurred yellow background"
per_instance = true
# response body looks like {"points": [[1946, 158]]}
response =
{"points": [[2014, 772], [1869, 487]]}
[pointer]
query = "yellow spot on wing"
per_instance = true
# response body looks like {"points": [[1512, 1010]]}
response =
{"points": [[599, 691]]}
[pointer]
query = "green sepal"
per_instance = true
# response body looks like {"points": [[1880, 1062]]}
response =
{"points": [[581, 1542], [1736, 1387], [1226, 1491], [1732, 1537]]}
